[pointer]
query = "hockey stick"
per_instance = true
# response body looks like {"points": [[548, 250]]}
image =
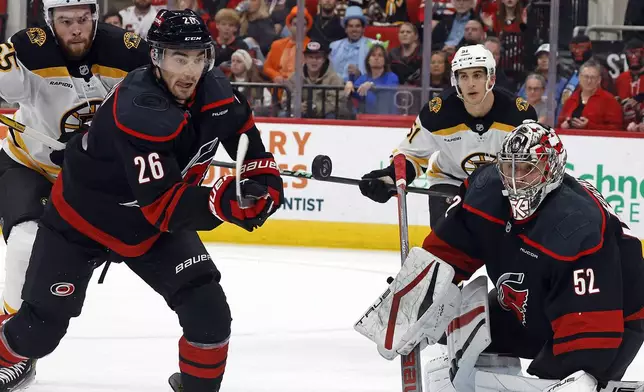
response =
{"points": [[320, 175], [32, 133], [242, 148], [410, 366]]}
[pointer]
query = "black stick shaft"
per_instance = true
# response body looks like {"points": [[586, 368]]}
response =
{"points": [[337, 180]]}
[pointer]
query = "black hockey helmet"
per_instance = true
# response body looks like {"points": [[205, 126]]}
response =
{"points": [[180, 30]]}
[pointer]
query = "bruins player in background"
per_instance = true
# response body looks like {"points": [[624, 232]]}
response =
{"points": [[456, 133], [132, 185], [58, 75]]}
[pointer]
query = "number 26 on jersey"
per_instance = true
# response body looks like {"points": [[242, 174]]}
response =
{"points": [[149, 166]]}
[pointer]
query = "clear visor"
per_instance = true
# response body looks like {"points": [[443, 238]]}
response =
{"points": [[521, 173], [187, 62]]}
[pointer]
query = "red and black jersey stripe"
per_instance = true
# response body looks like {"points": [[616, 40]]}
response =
{"points": [[464, 265], [587, 331]]}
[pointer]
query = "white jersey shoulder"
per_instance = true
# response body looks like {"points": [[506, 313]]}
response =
{"points": [[139, 24], [448, 143], [52, 97]]}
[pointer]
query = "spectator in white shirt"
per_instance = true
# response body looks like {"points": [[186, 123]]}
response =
{"points": [[139, 17]]}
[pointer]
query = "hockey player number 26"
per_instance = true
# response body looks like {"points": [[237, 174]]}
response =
{"points": [[156, 169], [579, 278]]}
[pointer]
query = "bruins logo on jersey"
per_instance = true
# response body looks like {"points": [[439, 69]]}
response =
{"points": [[131, 40], [77, 117], [476, 160], [436, 104], [522, 104], [37, 36]]}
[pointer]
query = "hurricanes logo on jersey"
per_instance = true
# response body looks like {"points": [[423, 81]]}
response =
{"points": [[476, 160], [37, 36], [510, 297], [77, 118], [195, 171]]}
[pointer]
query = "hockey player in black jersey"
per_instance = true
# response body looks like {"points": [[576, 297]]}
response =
{"points": [[568, 273], [131, 186], [456, 132], [58, 74]]}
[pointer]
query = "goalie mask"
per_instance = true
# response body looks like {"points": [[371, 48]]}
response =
{"points": [[531, 163]]}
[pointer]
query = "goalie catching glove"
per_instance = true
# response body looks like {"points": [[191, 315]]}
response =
{"points": [[260, 182], [418, 305]]}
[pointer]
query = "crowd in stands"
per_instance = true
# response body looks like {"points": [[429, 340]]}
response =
{"points": [[348, 70]]}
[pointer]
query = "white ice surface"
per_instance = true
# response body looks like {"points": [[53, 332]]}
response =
{"points": [[293, 311]]}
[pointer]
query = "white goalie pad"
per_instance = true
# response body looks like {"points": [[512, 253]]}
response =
{"points": [[418, 305], [468, 334], [579, 381]]}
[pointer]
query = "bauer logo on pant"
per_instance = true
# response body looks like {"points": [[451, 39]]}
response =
{"points": [[62, 289]]}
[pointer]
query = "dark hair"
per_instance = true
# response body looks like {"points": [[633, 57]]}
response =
{"points": [[387, 58], [447, 72], [413, 27], [110, 14], [503, 13]]}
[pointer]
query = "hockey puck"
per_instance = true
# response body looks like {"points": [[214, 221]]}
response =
{"points": [[321, 167]]}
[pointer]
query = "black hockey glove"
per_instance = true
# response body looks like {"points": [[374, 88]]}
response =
{"points": [[377, 185], [58, 156], [261, 182]]}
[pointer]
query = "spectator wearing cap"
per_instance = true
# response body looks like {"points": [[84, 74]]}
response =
{"points": [[590, 106], [378, 74], [407, 59], [630, 86], [348, 55], [227, 41], [113, 18], [449, 32], [327, 26], [543, 63], [256, 26], [318, 103], [244, 70], [280, 62]]}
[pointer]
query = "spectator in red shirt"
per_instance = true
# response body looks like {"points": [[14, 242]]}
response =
{"points": [[510, 18], [630, 86], [590, 106]]}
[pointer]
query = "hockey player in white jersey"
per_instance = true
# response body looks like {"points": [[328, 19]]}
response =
{"points": [[456, 132], [58, 75]]}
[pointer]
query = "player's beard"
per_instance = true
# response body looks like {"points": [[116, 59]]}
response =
{"points": [[76, 49]]}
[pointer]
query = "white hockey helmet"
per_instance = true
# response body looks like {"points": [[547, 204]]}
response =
{"points": [[49, 5], [473, 56], [532, 163]]}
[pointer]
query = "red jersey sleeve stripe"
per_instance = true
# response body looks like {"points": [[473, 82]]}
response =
{"points": [[143, 135], [217, 104], [459, 259], [586, 344], [483, 214], [153, 211], [72, 217], [588, 322], [250, 123], [639, 315]]}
